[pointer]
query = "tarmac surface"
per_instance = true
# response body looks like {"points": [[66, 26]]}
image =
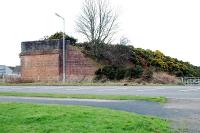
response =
{"points": [[183, 107], [177, 92]]}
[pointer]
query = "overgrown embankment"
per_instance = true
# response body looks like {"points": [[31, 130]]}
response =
{"points": [[120, 62]]}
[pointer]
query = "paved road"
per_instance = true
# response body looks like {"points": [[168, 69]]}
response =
{"points": [[128, 105], [180, 92], [183, 107]]}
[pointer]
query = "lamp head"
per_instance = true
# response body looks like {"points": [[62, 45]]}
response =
{"points": [[57, 14]]}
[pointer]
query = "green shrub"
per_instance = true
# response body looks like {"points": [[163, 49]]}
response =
{"points": [[111, 72], [120, 73], [137, 71], [59, 35], [128, 73], [179, 73]]}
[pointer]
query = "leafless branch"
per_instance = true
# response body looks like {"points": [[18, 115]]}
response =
{"points": [[98, 22]]}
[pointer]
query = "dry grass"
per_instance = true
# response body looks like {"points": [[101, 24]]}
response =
{"points": [[159, 78], [165, 78]]}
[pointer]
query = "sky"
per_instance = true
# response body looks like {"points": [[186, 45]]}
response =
{"points": [[171, 26]]}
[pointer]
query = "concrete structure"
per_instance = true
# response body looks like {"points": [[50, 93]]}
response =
{"points": [[41, 61]]}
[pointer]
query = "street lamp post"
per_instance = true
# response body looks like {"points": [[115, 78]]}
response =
{"points": [[64, 62]]}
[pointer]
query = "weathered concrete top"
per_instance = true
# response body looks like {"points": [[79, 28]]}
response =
{"points": [[44, 46]]}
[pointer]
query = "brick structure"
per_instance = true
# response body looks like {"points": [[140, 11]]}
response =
{"points": [[41, 61]]}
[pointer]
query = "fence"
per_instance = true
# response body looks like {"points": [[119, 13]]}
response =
{"points": [[191, 80], [10, 78]]}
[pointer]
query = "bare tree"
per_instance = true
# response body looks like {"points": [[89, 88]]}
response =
{"points": [[98, 22]]}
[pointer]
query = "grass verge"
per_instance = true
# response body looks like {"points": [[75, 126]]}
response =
{"points": [[21, 118], [87, 84], [65, 84], [87, 96]]}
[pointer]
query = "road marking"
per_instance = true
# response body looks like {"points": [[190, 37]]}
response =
{"points": [[196, 89]]}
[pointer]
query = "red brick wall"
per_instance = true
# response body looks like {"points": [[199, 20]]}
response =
{"points": [[79, 67], [48, 66], [40, 67]]}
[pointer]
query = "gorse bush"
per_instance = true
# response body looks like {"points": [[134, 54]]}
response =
{"points": [[118, 72], [120, 61], [136, 72], [110, 72]]}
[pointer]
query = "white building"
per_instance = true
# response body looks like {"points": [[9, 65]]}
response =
{"points": [[5, 70]]}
